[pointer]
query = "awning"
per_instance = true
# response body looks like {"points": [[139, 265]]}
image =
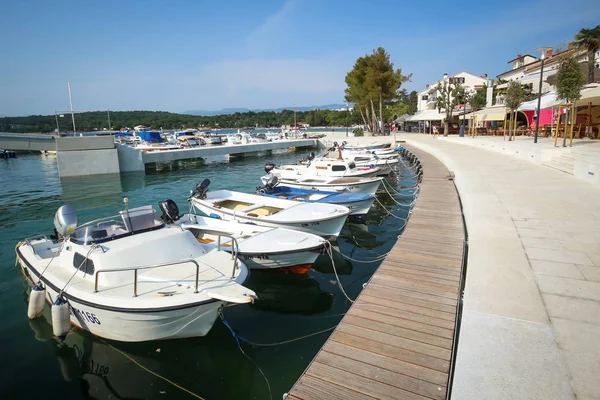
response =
{"points": [[590, 95], [548, 101], [426, 115], [496, 113], [402, 118]]}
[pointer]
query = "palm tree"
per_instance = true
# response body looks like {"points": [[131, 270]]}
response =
{"points": [[589, 39]]}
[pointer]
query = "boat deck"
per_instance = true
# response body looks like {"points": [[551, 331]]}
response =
{"points": [[397, 339]]}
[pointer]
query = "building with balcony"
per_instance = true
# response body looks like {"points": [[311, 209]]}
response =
{"points": [[471, 83]]}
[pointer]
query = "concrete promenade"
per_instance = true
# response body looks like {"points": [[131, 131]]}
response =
{"points": [[531, 319]]}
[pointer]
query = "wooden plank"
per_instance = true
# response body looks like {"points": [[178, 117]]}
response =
{"points": [[399, 305], [381, 280], [386, 362], [418, 275], [409, 297], [423, 319], [397, 262], [450, 290], [382, 375], [359, 383], [424, 354], [403, 330], [310, 387], [403, 321]]}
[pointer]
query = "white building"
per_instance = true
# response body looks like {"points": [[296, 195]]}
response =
{"points": [[471, 83], [526, 69]]}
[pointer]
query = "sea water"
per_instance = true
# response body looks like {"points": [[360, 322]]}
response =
{"points": [[213, 367]]}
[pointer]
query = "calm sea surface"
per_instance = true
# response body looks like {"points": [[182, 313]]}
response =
{"points": [[213, 367]]}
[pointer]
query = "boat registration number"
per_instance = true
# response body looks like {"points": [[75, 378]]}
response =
{"points": [[84, 315], [310, 223], [257, 257]]}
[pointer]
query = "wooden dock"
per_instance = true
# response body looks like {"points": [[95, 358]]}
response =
{"points": [[397, 340]]}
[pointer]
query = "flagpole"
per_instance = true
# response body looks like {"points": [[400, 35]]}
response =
{"points": [[71, 104]]}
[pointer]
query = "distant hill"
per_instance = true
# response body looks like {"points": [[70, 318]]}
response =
{"points": [[224, 111]]}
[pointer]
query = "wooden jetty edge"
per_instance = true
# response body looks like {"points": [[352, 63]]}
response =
{"points": [[398, 339]]}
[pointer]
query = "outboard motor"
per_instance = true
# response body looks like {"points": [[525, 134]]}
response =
{"points": [[170, 211], [269, 167], [65, 220], [271, 183], [311, 156], [202, 188]]}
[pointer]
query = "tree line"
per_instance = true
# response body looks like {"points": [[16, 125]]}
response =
{"points": [[98, 120]]}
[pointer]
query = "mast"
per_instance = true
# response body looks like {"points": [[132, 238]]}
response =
{"points": [[294, 114], [71, 104]]}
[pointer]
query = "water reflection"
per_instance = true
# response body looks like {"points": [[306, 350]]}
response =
{"points": [[104, 369], [288, 293]]}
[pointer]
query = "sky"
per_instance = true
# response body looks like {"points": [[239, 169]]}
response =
{"points": [[208, 55]]}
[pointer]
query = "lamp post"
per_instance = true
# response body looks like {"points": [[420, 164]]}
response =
{"points": [[461, 132], [537, 115], [346, 119]]}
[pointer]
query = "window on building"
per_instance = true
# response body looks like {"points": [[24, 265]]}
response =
{"points": [[425, 97]]}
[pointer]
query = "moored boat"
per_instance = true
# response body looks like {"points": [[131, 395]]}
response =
{"points": [[325, 220], [260, 247], [358, 203], [355, 185], [113, 277]]}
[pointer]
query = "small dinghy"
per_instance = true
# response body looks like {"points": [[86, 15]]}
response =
{"points": [[358, 203], [260, 247], [325, 220], [129, 277]]}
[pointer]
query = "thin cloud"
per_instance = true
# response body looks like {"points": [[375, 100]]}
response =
{"points": [[272, 29]]}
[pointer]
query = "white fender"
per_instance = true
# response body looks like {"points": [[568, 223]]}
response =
{"points": [[37, 299], [61, 321]]}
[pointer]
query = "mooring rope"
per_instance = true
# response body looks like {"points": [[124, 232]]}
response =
{"points": [[329, 251], [150, 371], [237, 340], [390, 213]]}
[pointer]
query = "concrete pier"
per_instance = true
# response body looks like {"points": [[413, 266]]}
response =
{"points": [[89, 155]]}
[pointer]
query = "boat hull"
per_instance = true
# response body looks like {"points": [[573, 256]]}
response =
{"points": [[369, 187], [328, 229], [358, 208], [263, 261], [134, 325]]}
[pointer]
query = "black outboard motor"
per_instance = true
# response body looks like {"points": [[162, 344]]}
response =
{"points": [[201, 189], [170, 211], [268, 188], [269, 167], [311, 156]]}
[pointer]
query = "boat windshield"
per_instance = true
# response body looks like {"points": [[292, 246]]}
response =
{"points": [[136, 220]]}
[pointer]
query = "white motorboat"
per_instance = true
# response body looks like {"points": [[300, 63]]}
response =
{"points": [[358, 203], [130, 277], [323, 167], [355, 185], [153, 141], [325, 220], [373, 146], [260, 247]]}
